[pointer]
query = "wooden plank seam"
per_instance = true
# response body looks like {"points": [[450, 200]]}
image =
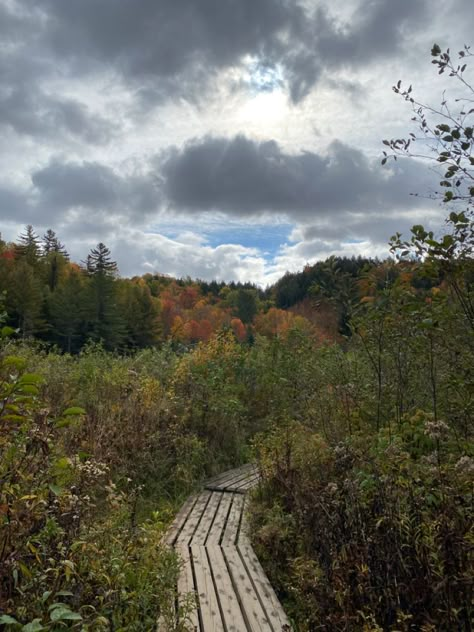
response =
{"points": [[219, 566]]}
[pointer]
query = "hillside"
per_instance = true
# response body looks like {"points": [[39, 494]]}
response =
{"points": [[71, 304]]}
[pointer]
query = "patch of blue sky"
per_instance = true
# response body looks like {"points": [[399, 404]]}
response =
{"points": [[264, 77], [265, 237]]}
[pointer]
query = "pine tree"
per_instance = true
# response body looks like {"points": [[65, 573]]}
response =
{"points": [[55, 257], [28, 246], [99, 261], [140, 312], [52, 244], [25, 298], [246, 305], [66, 307], [105, 322]]}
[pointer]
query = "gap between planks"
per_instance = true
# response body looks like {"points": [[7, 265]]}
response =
{"points": [[220, 568]]}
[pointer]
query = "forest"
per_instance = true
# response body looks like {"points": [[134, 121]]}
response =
{"points": [[350, 384], [69, 305]]}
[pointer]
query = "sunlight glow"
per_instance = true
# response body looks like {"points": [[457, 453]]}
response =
{"points": [[264, 110]]}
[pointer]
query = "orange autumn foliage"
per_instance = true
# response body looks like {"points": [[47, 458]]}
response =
{"points": [[277, 322], [238, 328]]}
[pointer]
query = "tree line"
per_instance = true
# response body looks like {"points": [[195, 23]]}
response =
{"points": [[60, 302]]}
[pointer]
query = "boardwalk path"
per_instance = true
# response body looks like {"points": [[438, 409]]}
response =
{"points": [[219, 565]]}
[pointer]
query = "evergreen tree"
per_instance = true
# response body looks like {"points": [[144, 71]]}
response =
{"points": [[99, 261], [25, 298], [288, 290], [28, 246], [246, 305], [54, 264], [140, 313], [89, 268], [52, 244], [337, 287], [55, 258], [66, 307], [105, 323]]}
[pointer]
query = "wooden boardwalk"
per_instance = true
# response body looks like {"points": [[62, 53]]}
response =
{"points": [[219, 567]]}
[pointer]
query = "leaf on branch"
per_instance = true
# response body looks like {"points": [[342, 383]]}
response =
{"points": [[6, 619], [75, 410]]}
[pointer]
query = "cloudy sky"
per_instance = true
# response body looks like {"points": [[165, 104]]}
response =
{"points": [[228, 139]]}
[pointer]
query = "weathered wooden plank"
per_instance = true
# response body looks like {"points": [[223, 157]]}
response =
{"points": [[238, 480], [230, 608], [273, 609], [244, 486], [218, 526], [180, 519], [224, 479], [229, 473], [250, 605], [219, 567], [186, 588], [209, 611], [200, 535], [221, 479], [250, 482], [271, 604], [233, 522], [193, 519]]}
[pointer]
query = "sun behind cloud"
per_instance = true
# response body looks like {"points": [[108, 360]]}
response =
{"points": [[264, 110]]}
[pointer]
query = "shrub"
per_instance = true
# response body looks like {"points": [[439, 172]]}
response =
{"points": [[375, 531], [70, 554]]}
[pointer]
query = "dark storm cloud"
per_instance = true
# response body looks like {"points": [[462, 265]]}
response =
{"points": [[150, 37], [239, 176], [15, 22], [166, 48], [28, 108], [244, 177], [374, 227], [25, 66], [378, 29], [13, 205], [61, 186], [167, 37], [29, 111], [77, 184]]}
